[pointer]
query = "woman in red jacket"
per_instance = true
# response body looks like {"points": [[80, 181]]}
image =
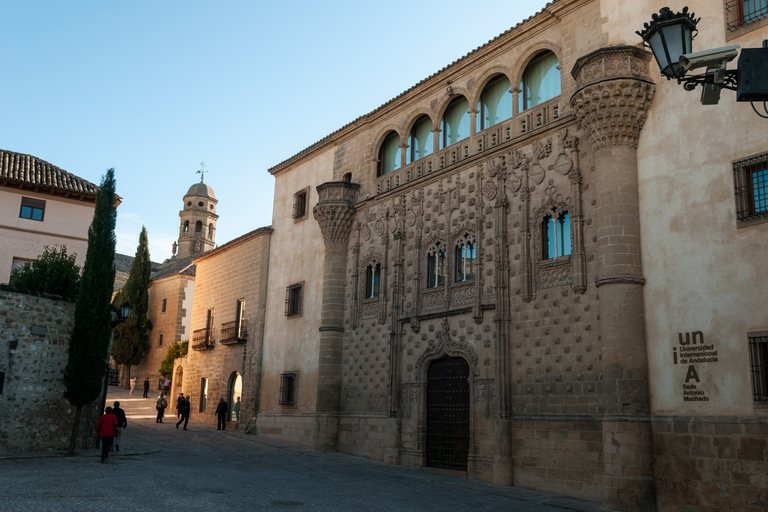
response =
{"points": [[105, 429]]}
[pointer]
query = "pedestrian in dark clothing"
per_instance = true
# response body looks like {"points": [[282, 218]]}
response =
{"points": [[221, 414], [122, 423], [146, 387], [105, 429], [178, 404], [162, 403], [184, 408]]}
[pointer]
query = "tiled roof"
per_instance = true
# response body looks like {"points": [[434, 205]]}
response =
{"points": [[30, 172], [265, 230], [123, 263], [175, 266], [329, 137]]}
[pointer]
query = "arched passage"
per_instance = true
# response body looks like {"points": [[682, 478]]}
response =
{"points": [[448, 413], [235, 394]]}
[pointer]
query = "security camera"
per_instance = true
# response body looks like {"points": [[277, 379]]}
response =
{"points": [[714, 58]]}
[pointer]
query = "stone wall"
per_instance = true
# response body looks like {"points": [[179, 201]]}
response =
{"points": [[34, 342]]}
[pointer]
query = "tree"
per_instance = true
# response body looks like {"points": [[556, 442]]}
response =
{"points": [[132, 336], [175, 351], [52, 272], [89, 342]]}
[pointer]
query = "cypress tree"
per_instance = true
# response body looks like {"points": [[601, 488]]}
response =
{"points": [[89, 342], [132, 336]]}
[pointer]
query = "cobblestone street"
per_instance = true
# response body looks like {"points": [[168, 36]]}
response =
{"points": [[160, 467]]}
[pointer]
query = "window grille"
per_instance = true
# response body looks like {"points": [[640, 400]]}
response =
{"points": [[300, 201], [293, 299], [750, 176], [758, 360], [743, 12], [288, 388]]}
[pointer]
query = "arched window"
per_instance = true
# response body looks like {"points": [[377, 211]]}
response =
{"points": [[347, 178], [465, 258], [372, 281], [495, 103], [186, 226], [420, 140], [198, 227], [436, 266], [455, 122], [389, 154], [210, 231], [556, 234], [541, 80]]}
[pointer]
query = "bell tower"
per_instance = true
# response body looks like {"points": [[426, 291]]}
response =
{"points": [[198, 221]]}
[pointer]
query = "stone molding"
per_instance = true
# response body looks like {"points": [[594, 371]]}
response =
{"points": [[625, 279], [614, 95], [335, 210]]}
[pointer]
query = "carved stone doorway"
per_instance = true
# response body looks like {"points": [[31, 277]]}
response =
{"points": [[448, 413]]}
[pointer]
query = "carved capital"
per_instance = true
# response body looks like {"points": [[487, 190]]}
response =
{"points": [[614, 95], [335, 210]]}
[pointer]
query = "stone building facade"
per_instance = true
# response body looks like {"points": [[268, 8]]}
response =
{"points": [[225, 347], [34, 415], [506, 295]]}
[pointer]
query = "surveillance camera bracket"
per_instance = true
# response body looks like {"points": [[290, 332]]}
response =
{"points": [[723, 78]]}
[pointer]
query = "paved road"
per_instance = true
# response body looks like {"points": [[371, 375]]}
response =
{"points": [[160, 467]]}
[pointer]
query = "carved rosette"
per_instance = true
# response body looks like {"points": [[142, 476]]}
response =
{"points": [[614, 95], [335, 210]]}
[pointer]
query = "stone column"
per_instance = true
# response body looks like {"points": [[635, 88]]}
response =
{"points": [[614, 93], [335, 213]]}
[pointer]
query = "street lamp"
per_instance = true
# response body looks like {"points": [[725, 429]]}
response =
{"points": [[670, 36]]}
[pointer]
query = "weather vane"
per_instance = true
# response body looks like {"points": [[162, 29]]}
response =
{"points": [[202, 171]]}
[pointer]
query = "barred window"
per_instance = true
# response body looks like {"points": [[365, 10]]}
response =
{"points": [[758, 360], [750, 176], [300, 202], [288, 388], [373, 280], [465, 258], [556, 234], [436, 266], [293, 299], [744, 12]]}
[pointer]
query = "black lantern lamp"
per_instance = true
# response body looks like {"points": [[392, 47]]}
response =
{"points": [[120, 315], [670, 36]]}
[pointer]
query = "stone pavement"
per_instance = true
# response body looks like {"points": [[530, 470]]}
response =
{"points": [[204, 469]]}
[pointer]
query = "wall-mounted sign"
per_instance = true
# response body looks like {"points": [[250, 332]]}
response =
{"points": [[691, 351]]}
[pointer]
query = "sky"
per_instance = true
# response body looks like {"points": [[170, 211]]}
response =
{"points": [[155, 88]]}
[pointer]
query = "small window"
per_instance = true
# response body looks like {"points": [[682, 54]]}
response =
{"points": [[160, 340], [198, 227], [33, 209], [288, 388], [186, 226], [200, 204], [19, 262], [751, 189], [293, 299], [758, 361], [420, 141], [239, 315], [495, 103], [211, 230], [189, 203], [300, 204], [372, 281], [203, 394], [541, 80], [436, 266], [455, 123], [389, 154], [165, 303], [556, 234], [209, 326], [744, 12], [347, 178], [465, 259]]}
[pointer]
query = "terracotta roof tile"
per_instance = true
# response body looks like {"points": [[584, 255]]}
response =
{"points": [[29, 171]]}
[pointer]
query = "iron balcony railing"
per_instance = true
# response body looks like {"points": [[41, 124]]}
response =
{"points": [[230, 334], [203, 339]]}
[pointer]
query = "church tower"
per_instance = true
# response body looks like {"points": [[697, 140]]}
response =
{"points": [[198, 221]]}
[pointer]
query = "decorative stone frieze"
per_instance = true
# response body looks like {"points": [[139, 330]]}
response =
{"points": [[335, 210], [614, 95]]}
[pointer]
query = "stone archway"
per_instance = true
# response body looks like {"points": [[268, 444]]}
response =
{"points": [[234, 396]]}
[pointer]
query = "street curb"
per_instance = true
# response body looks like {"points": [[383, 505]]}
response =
{"points": [[63, 455]]}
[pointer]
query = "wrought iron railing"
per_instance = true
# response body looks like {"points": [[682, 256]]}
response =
{"points": [[230, 334], [203, 339]]}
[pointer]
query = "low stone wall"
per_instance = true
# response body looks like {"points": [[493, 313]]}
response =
{"points": [[34, 341]]}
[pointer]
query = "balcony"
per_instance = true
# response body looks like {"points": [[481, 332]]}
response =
{"points": [[231, 335], [203, 339]]}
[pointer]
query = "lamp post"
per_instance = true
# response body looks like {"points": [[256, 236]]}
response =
{"points": [[670, 37]]}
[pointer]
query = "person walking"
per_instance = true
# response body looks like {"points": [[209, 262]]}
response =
{"points": [[162, 403], [237, 409], [184, 407], [122, 423], [178, 404], [105, 429], [146, 387], [221, 414], [133, 384]]}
